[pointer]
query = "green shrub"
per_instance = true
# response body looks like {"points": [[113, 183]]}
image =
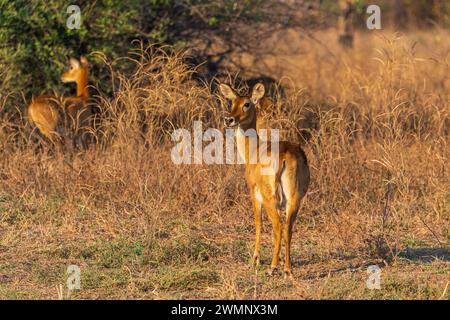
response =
{"points": [[36, 41]]}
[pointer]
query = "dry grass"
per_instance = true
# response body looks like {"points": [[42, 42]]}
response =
{"points": [[138, 226]]}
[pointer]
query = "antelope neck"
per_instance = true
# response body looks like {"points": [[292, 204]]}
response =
{"points": [[82, 86], [243, 143]]}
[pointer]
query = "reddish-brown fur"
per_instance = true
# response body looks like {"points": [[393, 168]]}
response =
{"points": [[284, 188], [43, 111]]}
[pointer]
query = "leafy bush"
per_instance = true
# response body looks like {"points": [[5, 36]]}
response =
{"points": [[36, 41]]}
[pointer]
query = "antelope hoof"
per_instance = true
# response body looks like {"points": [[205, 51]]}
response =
{"points": [[272, 271], [288, 274]]}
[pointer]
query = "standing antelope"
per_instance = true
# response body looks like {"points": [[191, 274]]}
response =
{"points": [[43, 111], [283, 188]]}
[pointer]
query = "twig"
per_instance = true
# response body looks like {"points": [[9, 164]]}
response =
{"points": [[432, 232], [445, 291]]}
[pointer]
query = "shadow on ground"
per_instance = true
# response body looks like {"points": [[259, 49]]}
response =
{"points": [[426, 254]]}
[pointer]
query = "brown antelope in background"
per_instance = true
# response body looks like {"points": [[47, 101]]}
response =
{"points": [[44, 111], [284, 188]]}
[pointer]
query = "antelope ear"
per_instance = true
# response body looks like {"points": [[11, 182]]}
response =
{"points": [[257, 92], [84, 61], [74, 63], [226, 91]]}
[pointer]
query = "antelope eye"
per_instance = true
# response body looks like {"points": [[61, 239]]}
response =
{"points": [[246, 105]]}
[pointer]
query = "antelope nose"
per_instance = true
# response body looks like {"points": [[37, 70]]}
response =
{"points": [[229, 121]]}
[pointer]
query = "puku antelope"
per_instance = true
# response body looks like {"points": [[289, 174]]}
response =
{"points": [[282, 188], [44, 112]]}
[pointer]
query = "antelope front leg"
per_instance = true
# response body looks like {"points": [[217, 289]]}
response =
{"points": [[257, 210]]}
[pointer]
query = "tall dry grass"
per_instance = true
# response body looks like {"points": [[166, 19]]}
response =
{"points": [[375, 125]]}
